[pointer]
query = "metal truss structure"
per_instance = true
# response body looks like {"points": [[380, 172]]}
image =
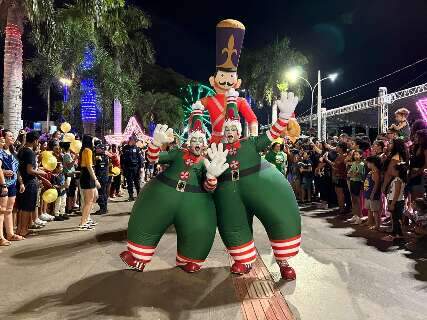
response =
{"points": [[381, 101]]}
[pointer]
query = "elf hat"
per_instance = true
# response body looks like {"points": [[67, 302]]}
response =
{"points": [[232, 112]]}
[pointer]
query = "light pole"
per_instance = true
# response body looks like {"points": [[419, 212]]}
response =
{"points": [[294, 74]]}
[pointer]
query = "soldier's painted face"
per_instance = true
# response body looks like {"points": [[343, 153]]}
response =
{"points": [[197, 144], [224, 81], [231, 133]]}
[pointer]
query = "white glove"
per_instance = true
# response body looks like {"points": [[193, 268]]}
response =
{"points": [[286, 105], [232, 93], [197, 106], [218, 163], [162, 135]]}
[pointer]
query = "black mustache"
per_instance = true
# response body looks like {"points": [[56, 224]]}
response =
{"points": [[226, 83]]}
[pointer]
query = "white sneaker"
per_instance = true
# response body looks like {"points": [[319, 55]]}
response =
{"points": [[46, 217], [358, 220], [352, 219], [40, 222], [91, 222], [85, 227]]}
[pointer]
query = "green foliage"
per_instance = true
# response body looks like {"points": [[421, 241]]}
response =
{"points": [[121, 51], [263, 69], [158, 79], [162, 108]]}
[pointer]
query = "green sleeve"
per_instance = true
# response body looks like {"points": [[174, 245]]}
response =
{"points": [[270, 157], [166, 157], [261, 142]]}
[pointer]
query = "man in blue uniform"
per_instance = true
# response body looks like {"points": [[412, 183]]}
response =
{"points": [[132, 163]]}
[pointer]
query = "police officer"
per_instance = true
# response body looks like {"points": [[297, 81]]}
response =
{"points": [[101, 172], [132, 163]]}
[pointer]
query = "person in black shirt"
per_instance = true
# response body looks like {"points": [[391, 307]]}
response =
{"points": [[27, 200], [306, 170], [102, 163], [132, 164]]}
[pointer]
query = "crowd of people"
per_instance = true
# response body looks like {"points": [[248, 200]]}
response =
{"points": [[381, 182], [94, 174]]}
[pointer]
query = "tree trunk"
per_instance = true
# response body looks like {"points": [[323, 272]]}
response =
{"points": [[12, 81]]}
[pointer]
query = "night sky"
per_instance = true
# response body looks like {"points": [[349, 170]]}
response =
{"points": [[362, 40]]}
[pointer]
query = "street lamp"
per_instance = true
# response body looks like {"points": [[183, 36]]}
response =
{"points": [[295, 73]]}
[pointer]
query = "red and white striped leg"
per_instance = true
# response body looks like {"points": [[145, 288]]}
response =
{"points": [[137, 256], [284, 250], [187, 264], [243, 256]]}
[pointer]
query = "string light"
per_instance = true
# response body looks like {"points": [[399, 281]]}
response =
{"points": [[88, 99], [132, 129], [422, 108]]}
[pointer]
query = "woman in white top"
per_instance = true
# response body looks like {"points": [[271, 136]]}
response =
{"points": [[396, 198]]}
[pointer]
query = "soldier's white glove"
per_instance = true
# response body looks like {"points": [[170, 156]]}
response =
{"points": [[286, 105], [197, 106], [218, 161], [162, 135], [232, 93]]}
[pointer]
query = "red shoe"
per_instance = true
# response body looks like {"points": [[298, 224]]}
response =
{"points": [[191, 267], [240, 268], [288, 273], [131, 262]]}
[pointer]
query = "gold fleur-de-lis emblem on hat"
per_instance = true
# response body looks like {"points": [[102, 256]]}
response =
{"points": [[230, 50]]}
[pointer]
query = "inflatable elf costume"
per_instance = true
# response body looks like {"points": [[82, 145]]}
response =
{"points": [[179, 196], [254, 187], [229, 41]]}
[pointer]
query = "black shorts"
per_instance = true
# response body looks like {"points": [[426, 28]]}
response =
{"points": [[355, 187], [340, 183], [27, 200], [11, 191], [86, 181]]}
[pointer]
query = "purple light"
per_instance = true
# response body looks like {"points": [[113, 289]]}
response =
{"points": [[422, 108], [117, 117]]}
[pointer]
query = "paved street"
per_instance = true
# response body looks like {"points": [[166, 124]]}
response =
{"points": [[343, 273]]}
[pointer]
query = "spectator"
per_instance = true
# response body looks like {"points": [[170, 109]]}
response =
{"points": [[27, 200], [401, 126], [396, 199], [356, 173], [132, 164], [339, 175], [88, 183], [372, 193], [306, 171], [10, 168], [397, 153], [277, 157]]}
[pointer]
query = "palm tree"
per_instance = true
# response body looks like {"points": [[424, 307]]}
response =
{"points": [[40, 14], [13, 14]]}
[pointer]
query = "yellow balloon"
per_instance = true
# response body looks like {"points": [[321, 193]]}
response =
{"points": [[49, 162], [75, 146], [46, 154], [65, 127], [69, 137], [115, 171], [50, 195]]}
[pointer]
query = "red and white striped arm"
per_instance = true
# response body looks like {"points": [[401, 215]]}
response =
{"points": [[285, 249], [210, 184], [277, 129], [153, 153]]}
